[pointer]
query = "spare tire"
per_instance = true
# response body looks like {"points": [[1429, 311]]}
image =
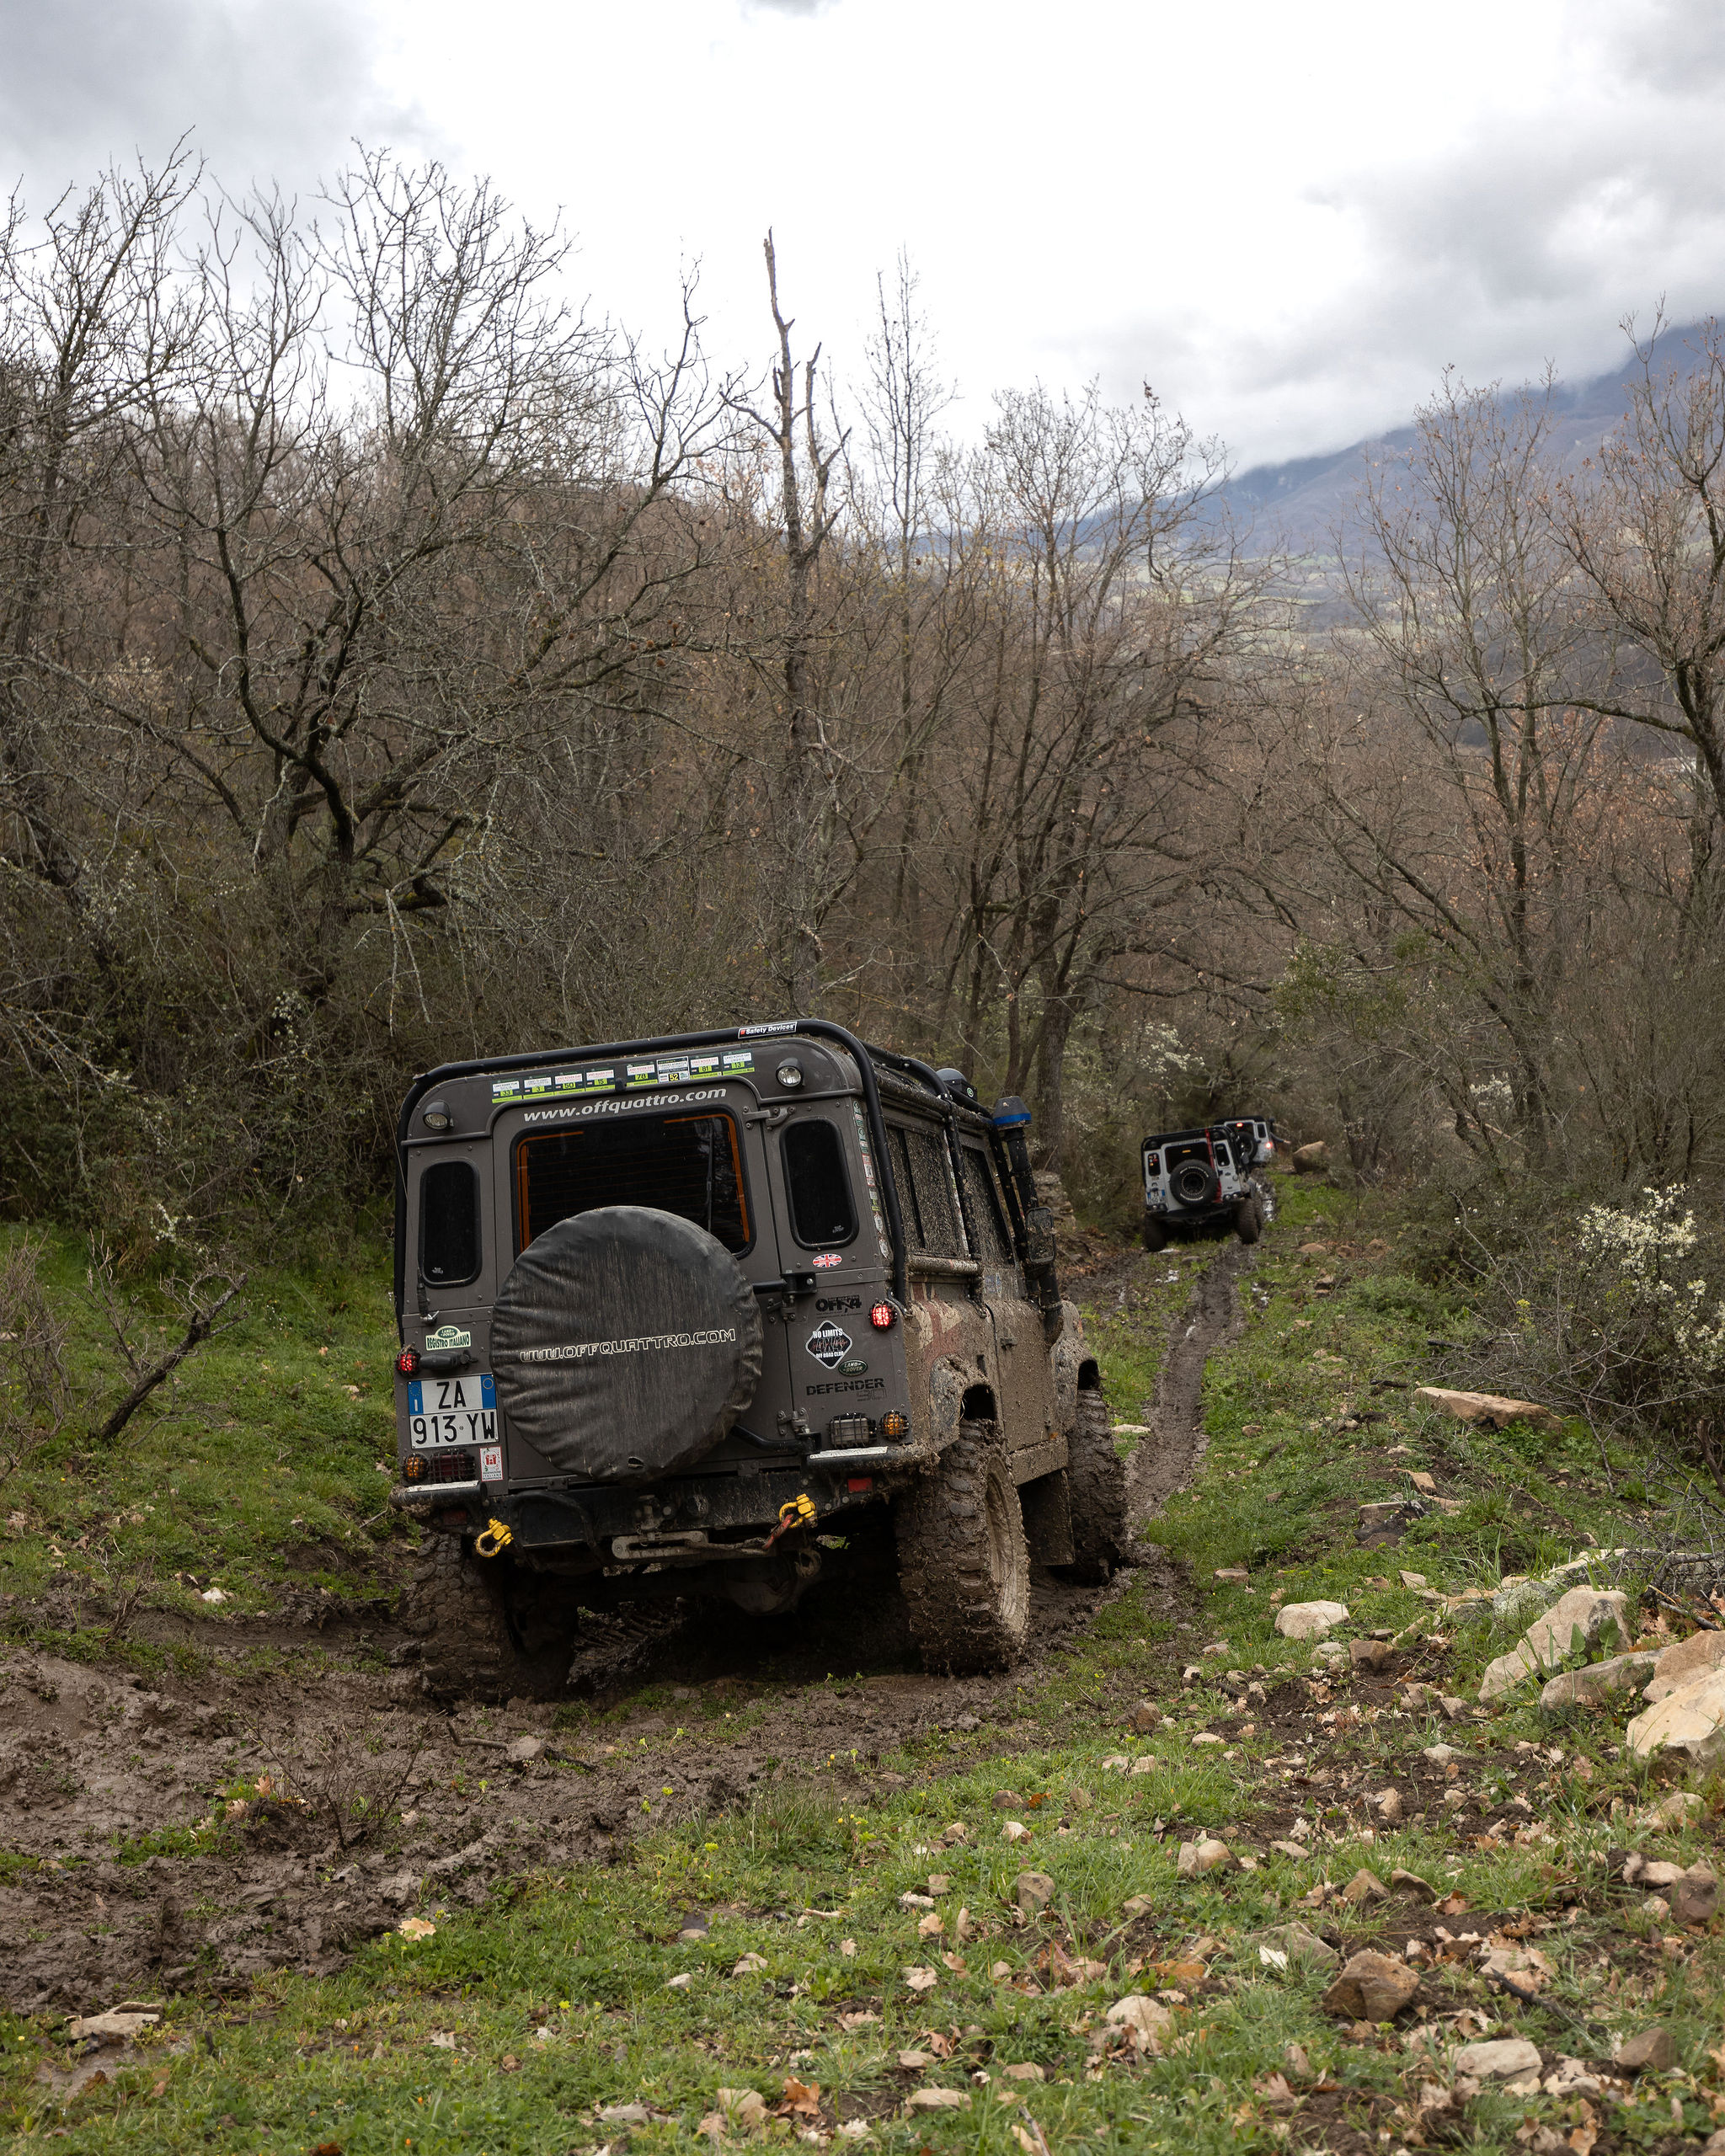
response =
{"points": [[1194, 1183], [625, 1343]]}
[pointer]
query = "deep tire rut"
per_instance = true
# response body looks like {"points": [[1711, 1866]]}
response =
{"points": [[1167, 1460]]}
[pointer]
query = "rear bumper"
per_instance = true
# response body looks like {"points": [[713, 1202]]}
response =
{"points": [[666, 1516]]}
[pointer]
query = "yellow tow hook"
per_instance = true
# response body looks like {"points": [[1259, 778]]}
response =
{"points": [[795, 1512], [491, 1541]]}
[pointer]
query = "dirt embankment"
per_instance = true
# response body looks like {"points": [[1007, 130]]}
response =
{"points": [[111, 1784]]}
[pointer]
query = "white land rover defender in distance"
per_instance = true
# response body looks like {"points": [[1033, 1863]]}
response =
{"points": [[687, 1316]]}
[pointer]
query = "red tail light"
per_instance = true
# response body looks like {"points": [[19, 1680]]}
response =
{"points": [[881, 1317], [408, 1362]]}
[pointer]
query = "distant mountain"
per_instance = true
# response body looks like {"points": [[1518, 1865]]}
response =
{"points": [[1302, 501]]}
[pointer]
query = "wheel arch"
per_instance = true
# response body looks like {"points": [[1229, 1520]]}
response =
{"points": [[979, 1404]]}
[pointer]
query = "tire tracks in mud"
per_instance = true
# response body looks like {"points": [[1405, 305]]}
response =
{"points": [[93, 1757], [1210, 1320]]}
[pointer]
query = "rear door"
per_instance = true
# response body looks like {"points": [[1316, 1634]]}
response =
{"points": [[830, 1225]]}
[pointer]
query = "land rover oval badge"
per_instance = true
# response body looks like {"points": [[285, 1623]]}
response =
{"points": [[828, 1343]]}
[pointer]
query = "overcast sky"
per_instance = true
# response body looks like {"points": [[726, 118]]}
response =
{"points": [[1288, 218]]}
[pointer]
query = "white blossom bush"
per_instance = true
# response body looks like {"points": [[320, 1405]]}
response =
{"points": [[1651, 1248]]}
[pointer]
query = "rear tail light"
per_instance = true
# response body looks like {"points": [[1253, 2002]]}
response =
{"points": [[881, 1317], [1152, 1164], [407, 1363]]}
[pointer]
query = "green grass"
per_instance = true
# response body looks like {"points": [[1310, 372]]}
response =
{"points": [[589, 1955], [262, 1463]]}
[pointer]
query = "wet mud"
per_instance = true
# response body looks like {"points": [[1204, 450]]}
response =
{"points": [[169, 1835]]}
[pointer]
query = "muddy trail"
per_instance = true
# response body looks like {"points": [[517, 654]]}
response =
{"points": [[168, 1836]]}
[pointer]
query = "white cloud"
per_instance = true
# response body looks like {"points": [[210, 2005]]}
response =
{"points": [[1288, 218]]}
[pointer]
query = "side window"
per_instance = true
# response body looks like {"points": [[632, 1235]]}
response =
{"points": [[985, 1208], [914, 1234], [449, 1223], [822, 1213], [937, 1203]]}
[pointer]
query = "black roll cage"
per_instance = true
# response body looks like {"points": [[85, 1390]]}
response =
{"points": [[819, 1028]]}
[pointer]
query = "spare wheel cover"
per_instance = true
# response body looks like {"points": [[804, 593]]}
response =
{"points": [[625, 1343], [1193, 1183]]}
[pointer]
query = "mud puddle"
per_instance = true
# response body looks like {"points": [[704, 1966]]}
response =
{"points": [[185, 1836]]}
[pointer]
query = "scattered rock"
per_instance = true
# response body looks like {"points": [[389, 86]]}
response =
{"points": [[1370, 1654], [1312, 1159], [522, 1751], [1015, 1830], [1653, 2050], [1372, 1987], [1697, 1897], [1584, 1616], [1690, 1722], [1596, 1684], [1698, 1656], [937, 2100], [1441, 1755], [1365, 1886], [1310, 1621], [1302, 1948], [1144, 1717], [1026, 2070], [1424, 1483], [1314, 1249], [1679, 1809], [1291, 1849], [1033, 1891], [116, 2026], [1148, 2020], [1389, 1806], [1205, 1855], [1489, 1407], [1005, 1799], [1572, 2077], [1507, 2058], [1412, 1885]]}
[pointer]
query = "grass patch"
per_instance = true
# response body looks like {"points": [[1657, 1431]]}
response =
{"points": [[509, 2027]]}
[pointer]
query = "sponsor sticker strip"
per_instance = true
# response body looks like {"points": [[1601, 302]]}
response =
{"points": [[581, 1351], [685, 1069]]}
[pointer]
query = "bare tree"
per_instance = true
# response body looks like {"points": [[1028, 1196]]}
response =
{"points": [[808, 510], [1644, 522]]}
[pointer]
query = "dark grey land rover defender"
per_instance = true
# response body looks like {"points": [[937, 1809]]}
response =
{"points": [[689, 1316]]}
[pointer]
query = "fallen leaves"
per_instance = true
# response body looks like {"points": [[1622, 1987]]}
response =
{"points": [[921, 1978], [415, 1928]]}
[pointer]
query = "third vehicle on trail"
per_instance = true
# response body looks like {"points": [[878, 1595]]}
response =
{"points": [[1199, 1179], [705, 1314]]}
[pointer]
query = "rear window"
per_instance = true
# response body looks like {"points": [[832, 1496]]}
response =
{"points": [[689, 1165], [822, 1213], [449, 1223]]}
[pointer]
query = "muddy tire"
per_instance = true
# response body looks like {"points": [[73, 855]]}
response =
{"points": [[478, 1631], [1156, 1235], [1248, 1219], [1096, 1478], [963, 1566]]}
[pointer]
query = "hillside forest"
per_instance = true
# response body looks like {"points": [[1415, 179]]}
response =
{"points": [[399, 663]]}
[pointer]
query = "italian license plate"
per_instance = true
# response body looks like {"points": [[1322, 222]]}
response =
{"points": [[461, 1410]]}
